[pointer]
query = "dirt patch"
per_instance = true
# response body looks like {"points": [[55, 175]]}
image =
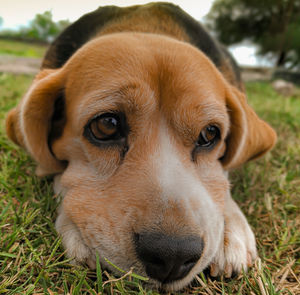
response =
{"points": [[19, 65], [31, 66], [256, 74]]}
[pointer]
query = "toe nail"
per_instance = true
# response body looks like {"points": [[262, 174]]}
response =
{"points": [[249, 259], [214, 270], [228, 271]]}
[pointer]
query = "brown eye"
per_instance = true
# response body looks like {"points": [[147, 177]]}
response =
{"points": [[108, 128], [208, 136], [104, 128]]}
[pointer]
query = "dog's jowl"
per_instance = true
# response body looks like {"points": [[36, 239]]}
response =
{"points": [[139, 114]]}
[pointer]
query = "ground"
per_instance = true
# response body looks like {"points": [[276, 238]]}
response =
{"points": [[20, 58], [32, 259]]}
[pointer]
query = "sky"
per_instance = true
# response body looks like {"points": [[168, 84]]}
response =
{"points": [[16, 13], [19, 12]]}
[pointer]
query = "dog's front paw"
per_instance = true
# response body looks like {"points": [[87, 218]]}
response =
{"points": [[238, 250]]}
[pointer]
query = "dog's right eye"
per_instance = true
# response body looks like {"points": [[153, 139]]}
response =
{"points": [[106, 128]]}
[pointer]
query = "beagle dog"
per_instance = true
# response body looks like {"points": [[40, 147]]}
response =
{"points": [[139, 114]]}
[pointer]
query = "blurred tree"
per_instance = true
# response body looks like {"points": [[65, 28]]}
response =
{"points": [[42, 27], [1, 21], [274, 25]]}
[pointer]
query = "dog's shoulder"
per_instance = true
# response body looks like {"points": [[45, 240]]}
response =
{"points": [[159, 18]]}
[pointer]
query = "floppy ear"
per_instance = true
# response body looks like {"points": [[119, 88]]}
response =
{"points": [[249, 137], [29, 124]]}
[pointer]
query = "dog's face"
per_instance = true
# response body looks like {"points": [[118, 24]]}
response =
{"points": [[147, 126]]}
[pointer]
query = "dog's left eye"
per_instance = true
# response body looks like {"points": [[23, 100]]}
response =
{"points": [[208, 137], [106, 128]]}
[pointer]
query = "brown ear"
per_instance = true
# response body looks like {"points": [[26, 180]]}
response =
{"points": [[29, 124], [249, 137]]}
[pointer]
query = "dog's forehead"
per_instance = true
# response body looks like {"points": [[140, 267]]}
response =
{"points": [[142, 72]]}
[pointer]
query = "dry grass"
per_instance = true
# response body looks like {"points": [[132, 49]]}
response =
{"points": [[32, 259]]}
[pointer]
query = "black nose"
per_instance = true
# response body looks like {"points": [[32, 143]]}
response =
{"points": [[168, 258]]}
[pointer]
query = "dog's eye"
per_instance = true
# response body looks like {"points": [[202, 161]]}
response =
{"points": [[105, 127], [108, 128], [208, 137]]}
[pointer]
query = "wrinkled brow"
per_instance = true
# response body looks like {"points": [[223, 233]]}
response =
{"points": [[197, 116], [127, 98]]}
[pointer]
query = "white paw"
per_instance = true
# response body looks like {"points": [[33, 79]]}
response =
{"points": [[238, 251]]}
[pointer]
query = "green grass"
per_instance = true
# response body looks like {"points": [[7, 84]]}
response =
{"points": [[32, 259], [16, 48]]}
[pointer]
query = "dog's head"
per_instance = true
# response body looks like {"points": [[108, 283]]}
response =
{"points": [[142, 130]]}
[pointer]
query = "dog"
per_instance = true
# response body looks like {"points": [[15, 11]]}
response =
{"points": [[139, 114]]}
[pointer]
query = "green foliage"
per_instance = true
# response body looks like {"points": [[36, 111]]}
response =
{"points": [[273, 25], [41, 28]]}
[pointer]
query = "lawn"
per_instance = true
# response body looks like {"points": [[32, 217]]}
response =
{"points": [[32, 259], [17, 48]]}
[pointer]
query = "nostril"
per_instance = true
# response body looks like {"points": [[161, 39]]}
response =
{"points": [[192, 260], [136, 237]]}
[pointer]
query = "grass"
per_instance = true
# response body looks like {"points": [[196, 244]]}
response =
{"points": [[32, 259], [22, 49]]}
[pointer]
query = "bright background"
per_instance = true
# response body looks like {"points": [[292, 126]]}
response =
{"points": [[16, 13]]}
